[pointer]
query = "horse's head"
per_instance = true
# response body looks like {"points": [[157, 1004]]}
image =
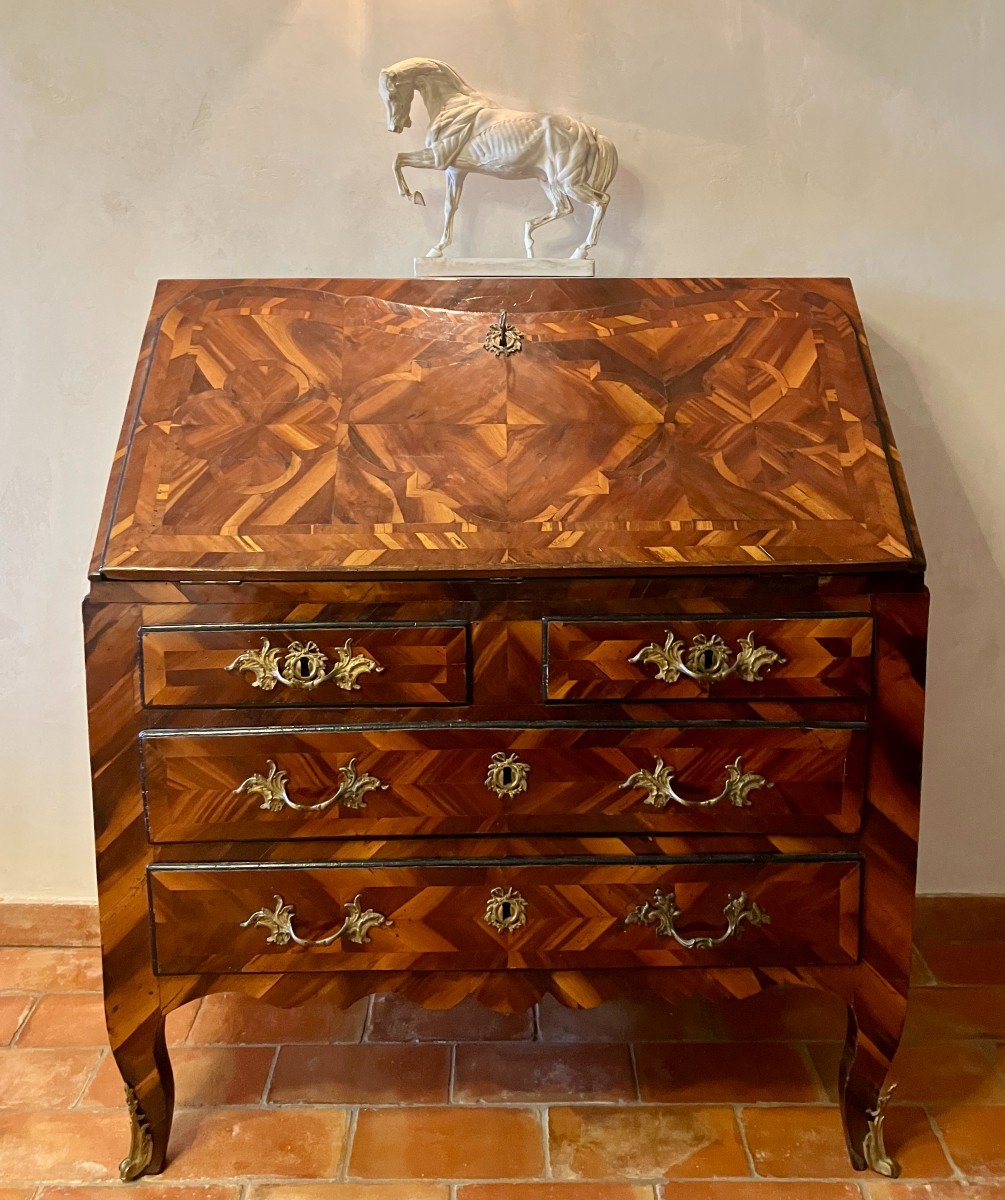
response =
{"points": [[396, 90]]}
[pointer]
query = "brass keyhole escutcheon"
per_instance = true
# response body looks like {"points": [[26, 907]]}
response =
{"points": [[502, 339], [506, 776], [506, 910]]}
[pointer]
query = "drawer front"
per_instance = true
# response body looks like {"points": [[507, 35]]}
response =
{"points": [[534, 915], [741, 658], [414, 781], [311, 666]]}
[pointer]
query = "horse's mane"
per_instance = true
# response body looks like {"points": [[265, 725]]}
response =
{"points": [[421, 66]]}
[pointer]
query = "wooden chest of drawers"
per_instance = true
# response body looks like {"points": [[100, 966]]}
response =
{"points": [[417, 667]]}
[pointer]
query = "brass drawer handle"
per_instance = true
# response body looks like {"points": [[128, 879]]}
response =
{"points": [[506, 910], [279, 922], [707, 659], [351, 789], [507, 776], [662, 911], [659, 785], [303, 666]]}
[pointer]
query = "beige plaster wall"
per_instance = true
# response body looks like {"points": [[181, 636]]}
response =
{"points": [[244, 137]]}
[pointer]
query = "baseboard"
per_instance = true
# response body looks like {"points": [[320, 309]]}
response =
{"points": [[48, 923]]}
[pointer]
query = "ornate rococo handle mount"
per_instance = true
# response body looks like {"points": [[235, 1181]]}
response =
{"points": [[271, 787], [662, 911], [141, 1142], [279, 922], [658, 784], [708, 659], [303, 666], [502, 339]]}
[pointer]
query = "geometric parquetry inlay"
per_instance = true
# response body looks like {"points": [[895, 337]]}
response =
{"points": [[360, 431]]}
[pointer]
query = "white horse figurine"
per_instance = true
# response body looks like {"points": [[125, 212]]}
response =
{"points": [[469, 132]]}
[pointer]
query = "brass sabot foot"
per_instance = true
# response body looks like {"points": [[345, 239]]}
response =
{"points": [[873, 1148], [141, 1142]]}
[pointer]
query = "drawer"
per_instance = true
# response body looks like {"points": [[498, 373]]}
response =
{"points": [[311, 666], [740, 658], [248, 786], [531, 914]]}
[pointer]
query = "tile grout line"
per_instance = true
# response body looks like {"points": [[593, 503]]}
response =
{"points": [[364, 1033], [634, 1066], [940, 1138], [187, 1039], [269, 1075], [34, 998], [742, 1134], [89, 1081], [350, 1137], [544, 1111]]}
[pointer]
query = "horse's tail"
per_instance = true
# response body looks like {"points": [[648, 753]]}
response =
{"points": [[605, 164]]}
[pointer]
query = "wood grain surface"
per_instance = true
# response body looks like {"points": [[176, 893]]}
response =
{"points": [[575, 916], [418, 664], [435, 781], [591, 660], [351, 427]]}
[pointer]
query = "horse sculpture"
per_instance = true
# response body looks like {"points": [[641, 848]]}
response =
{"points": [[469, 132]]}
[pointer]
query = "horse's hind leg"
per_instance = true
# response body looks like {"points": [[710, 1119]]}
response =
{"points": [[598, 201], [561, 206]]}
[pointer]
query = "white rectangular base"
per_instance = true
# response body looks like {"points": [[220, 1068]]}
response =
{"points": [[558, 268]]}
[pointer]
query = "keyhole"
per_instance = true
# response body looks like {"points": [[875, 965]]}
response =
{"points": [[708, 659], [507, 776], [506, 910], [303, 667]]}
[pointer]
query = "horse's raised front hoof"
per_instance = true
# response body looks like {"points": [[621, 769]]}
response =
{"points": [[418, 198]]}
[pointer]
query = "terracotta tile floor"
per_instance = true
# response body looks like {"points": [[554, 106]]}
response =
{"points": [[632, 1101]]}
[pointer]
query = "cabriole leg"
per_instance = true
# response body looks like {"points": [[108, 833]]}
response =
{"points": [[870, 1045], [145, 1067]]}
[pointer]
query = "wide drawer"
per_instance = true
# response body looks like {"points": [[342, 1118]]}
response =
{"points": [[241, 786], [315, 666], [534, 914], [740, 658]]}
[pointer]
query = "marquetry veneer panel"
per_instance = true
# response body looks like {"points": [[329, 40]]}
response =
{"points": [[824, 656], [293, 428], [575, 916], [436, 777], [420, 664]]}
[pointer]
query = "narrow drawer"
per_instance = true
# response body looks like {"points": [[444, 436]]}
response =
{"points": [[749, 658], [535, 914], [246, 786], [312, 666]]}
